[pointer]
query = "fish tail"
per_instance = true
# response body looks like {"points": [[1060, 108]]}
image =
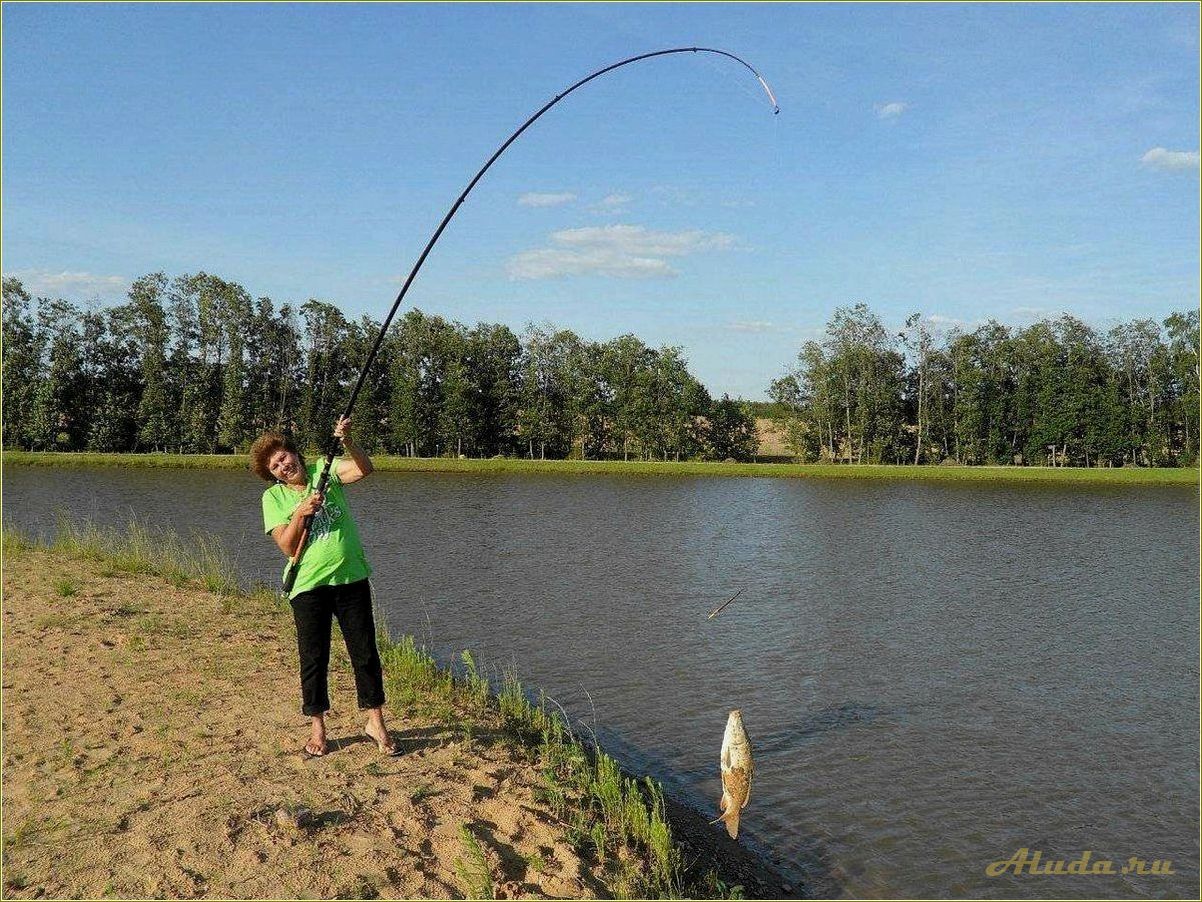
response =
{"points": [[731, 819], [729, 816]]}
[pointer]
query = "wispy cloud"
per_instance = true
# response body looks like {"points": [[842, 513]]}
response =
{"points": [[614, 201], [72, 285], [939, 321], [753, 325], [1033, 313], [620, 251], [1170, 160], [546, 199], [890, 110], [675, 195]]}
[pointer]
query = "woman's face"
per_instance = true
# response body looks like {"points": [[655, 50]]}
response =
{"points": [[285, 466]]}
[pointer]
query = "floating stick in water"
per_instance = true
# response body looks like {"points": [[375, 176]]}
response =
{"points": [[714, 613]]}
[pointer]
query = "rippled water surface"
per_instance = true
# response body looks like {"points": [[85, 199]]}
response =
{"points": [[932, 676]]}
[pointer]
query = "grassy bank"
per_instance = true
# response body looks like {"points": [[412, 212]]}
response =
{"points": [[495, 797], [1090, 475]]}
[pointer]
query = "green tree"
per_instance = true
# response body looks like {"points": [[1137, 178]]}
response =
{"points": [[984, 406], [57, 422], [111, 368], [594, 401], [1182, 329], [234, 309], [732, 433], [151, 333], [423, 347], [626, 362], [544, 418], [492, 358], [329, 372], [1137, 355], [22, 373], [198, 307], [458, 392], [869, 374], [371, 413], [916, 339], [676, 404]]}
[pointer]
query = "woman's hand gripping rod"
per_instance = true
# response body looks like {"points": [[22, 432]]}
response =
{"points": [[323, 482]]}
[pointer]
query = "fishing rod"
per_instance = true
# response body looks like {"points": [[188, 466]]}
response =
{"points": [[323, 480]]}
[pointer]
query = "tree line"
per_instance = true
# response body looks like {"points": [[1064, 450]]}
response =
{"points": [[194, 364], [1057, 393]]}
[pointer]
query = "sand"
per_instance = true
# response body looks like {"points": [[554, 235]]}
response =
{"points": [[152, 747]]}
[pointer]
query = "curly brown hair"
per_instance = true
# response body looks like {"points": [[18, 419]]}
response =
{"points": [[265, 446]]}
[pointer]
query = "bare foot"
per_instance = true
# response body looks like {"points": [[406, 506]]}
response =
{"points": [[316, 746], [382, 739]]}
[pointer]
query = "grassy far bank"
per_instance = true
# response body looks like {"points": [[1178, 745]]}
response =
{"points": [[1091, 475], [152, 749]]}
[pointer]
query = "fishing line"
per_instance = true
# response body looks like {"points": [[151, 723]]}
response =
{"points": [[290, 572]]}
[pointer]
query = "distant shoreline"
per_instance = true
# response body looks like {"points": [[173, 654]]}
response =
{"points": [[1091, 475]]}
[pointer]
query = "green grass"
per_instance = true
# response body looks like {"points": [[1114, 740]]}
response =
{"points": [[621, 820], [1092, 475], [472, 870], [65, 587], [198, 561], [617, 819], [423, 792]]}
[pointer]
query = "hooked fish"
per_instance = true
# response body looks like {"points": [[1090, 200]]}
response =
{"points": [[737, 768]]}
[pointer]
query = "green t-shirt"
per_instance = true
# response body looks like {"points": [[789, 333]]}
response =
{"points": [[333, 556]]}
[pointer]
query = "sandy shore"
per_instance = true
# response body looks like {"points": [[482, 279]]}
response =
{"points": [[152, 747]]}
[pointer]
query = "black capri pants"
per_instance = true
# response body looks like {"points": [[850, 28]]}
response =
{"points": [[314, 611]]}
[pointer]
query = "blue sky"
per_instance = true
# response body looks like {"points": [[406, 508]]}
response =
{"points": [[1009, 161]]}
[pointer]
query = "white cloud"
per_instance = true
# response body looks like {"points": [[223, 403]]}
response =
{"points": [[939, 321], [1159, 158], [754, 325], [1033, 313], [672, 194], [890, 110], [614, 201], [620, 251], [71, 285], [546, 199]]}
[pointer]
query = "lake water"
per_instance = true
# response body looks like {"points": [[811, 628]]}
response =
{"points": [[932, 676]]}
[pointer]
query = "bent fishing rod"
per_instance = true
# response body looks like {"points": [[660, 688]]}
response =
{"points": [[322, 482]]}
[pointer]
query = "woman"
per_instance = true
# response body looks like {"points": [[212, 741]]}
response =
{"points": [[331, 580]]}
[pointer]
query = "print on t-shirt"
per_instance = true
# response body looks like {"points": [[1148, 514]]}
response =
{"points": [[324, 519]]}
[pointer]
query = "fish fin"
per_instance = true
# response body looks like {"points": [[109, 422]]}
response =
{"points": [[732, 823], [723, 802]]}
